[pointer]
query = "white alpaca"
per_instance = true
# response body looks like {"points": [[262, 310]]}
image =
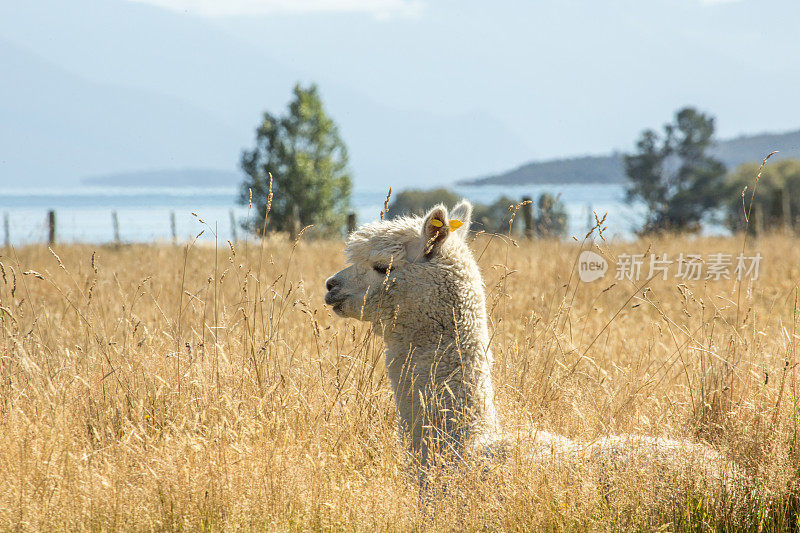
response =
{"points": [[417, 281]]}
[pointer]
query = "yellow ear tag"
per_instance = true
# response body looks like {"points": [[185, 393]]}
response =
{"points": [[436, 222], [455, 224]]}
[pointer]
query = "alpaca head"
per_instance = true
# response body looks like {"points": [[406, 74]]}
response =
{"points": [[397, 264]]}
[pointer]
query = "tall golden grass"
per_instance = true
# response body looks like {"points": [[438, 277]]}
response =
{"points": [[157, 387]]}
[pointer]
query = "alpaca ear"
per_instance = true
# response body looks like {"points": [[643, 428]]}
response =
{"points": [[435, 230], [463, 213]]}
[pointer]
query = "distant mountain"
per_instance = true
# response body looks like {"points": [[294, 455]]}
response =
{"points": [[610, 168], [745, 148], [587, 169], [198, 177]]}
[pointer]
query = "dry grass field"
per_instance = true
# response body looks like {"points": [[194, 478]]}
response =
{"points": [[159, 387]]}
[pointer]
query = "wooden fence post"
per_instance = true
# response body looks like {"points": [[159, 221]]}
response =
{"points": [[527, 215], [115, 223], [173, 228], [758, 221], [351, 223], [589, 217], [234, 236], [51, 224], [787, 211], [294, 223]]}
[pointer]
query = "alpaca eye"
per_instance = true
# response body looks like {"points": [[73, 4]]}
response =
{"points": [[380, 269]]}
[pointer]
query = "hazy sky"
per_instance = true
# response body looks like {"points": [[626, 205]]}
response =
{"points": [[424, 91], [567, 76], [378, 8]]}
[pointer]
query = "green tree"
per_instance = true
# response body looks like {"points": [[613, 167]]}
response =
{"points": [[494, 218], [418, 201], [776, 202], [491, 218], [307, 159], [550, 218], [673, 175]]}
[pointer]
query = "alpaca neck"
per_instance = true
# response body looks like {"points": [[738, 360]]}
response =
{"points": [[442, 387]]}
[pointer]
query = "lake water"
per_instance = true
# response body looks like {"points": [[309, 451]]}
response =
{"points": [[84, 214]]}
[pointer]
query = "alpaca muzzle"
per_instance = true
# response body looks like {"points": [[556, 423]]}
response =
{"points": [[333, 297]]}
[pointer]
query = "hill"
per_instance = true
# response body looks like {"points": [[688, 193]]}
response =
{"points": [[610, 168]]}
